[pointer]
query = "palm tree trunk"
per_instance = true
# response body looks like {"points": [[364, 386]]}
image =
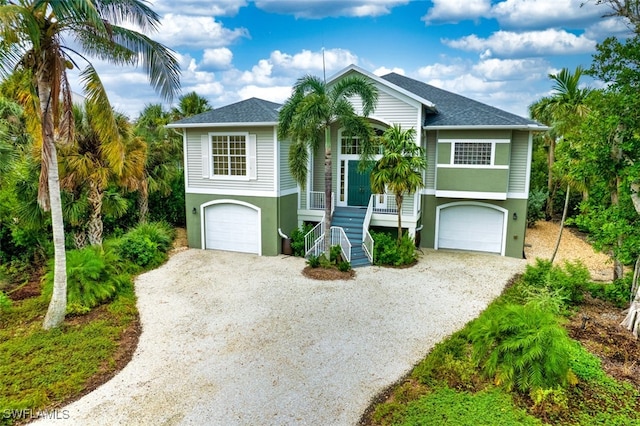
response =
{"points": [[143, 201], [564, 217], [399, 199], [328, 181], [550, 184], [58, 304], [95, 226]]}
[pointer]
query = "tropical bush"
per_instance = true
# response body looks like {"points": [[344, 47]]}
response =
{"points": [[147, 244], [94, 276], [536, 206], [387, 251], [522, 347], [297, 239], [5, 302], [571, 281]]}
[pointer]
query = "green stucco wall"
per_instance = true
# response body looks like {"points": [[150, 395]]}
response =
{"points": [[275, 213], [516, 228]]}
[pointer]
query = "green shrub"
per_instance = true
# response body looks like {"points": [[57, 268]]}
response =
{"points": [[160, 233], [617, 292], [93, 277], [387, 251], [522, 347], [297, 239], [535, 206], [335, 254], [344, 266], [147, 244], [5, 302], [313, 261], [571, 281]]}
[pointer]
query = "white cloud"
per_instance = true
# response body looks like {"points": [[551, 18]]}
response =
{"points": [[384, 71], [307, 61], [546, 13], [439, 71], [608, 27], [259, 74], [316, 9], [452, 11], [198, 31], [274, 94], [219, 58], [198, 7], [468, 85], [512, 69], [532, 43]]}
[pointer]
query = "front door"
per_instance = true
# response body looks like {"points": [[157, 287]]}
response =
{"points": [[359, 190]]}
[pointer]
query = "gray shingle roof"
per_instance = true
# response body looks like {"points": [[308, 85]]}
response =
{"points": [[456, 110], [252, 110]]}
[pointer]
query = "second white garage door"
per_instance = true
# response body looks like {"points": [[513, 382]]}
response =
{"points": [[471, 227], [232, 227]]}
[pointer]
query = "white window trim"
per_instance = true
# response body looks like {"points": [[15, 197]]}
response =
{"points": [[493, 143], [250, 157]]}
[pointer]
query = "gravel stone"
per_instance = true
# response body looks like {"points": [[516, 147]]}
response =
{"points": [[238, 339]]}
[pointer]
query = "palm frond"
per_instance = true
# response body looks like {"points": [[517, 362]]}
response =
{"points": [[128, 11]]}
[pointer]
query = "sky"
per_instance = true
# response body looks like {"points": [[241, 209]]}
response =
{"points": [[496, 52]]}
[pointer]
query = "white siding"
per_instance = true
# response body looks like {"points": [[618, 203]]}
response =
{"points": [[518, 166], [265, 162], [393, 108]]}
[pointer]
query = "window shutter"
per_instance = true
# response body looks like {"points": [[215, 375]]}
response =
{"points": [[204, 146], [251, 154]]}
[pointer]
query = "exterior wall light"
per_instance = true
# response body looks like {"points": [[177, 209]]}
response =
{"points": [[515, 216], [194, 211]]}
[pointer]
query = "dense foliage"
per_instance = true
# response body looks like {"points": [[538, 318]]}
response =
{"points": [[393, 252]]}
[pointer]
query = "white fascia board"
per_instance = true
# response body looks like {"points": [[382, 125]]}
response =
{"points": [[235, 124], [382, 81], [472, 195], [528, 127]]}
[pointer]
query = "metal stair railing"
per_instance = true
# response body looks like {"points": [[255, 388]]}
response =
{"points": [[367, 239], [339, 237]]}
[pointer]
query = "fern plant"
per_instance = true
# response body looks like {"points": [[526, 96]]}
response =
{"points": [[522, 347], [93, 277]]}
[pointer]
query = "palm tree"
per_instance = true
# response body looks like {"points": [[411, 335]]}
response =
{"points": [[164, 155], [32, 34], [562, 111], [307, 116], [90, 165], [400, 169], [189, 105]]}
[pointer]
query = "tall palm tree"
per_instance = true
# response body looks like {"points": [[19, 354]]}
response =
{"points": [[90, 164], [307, 116], [400, 169], [189, 105], [32, 38], [562, 111], [164, 155]]}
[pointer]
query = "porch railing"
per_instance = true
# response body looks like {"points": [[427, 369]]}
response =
{"points": [[316, 200], [338, 237], [314, 240], [385, 204], [367, 239]]}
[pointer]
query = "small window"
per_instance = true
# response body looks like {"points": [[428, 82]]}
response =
{"points": [[229, 154], [476, 153], [351, 145]]}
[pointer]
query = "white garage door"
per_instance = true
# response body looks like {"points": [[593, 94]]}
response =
{"points": [[232, 227], [471, 227]]}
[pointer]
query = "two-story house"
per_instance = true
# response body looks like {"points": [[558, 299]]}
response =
{"points": [[240, 195]]}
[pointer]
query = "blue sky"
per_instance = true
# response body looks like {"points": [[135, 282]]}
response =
{"points": [[497, 52]]}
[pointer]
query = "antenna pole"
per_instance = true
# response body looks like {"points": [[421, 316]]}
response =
{"points": [[324, 69]]}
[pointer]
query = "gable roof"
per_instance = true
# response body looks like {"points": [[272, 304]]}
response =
{"points": [[456, 111], [250, 111]]}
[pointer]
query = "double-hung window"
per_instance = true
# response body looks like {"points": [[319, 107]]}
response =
{"points": [[228, 156]]}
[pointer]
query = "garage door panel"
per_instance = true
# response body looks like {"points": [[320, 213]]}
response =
{"points": [[471, 227], [232, 227]]}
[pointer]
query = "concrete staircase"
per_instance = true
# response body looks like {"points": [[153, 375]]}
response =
{"points": [[351, 219]]}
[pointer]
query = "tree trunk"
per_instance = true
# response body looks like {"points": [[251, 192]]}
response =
{"points": [[632, 321], [58, 304], [328, 181], [80, 238], [564, 217], [618, 267], [550, 185], [399, 199], [143, 200], [95, 226]]}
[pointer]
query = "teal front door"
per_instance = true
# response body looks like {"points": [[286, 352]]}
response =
{"points": [[359, 190]]}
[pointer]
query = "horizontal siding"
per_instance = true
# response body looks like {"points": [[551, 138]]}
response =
{"points": [[431, 159], [474, 134], [391, 109], [287, 181], [518, 167], [265, 161]]}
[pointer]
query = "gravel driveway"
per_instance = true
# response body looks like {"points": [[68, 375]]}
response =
{"points": [[235, 339]]}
